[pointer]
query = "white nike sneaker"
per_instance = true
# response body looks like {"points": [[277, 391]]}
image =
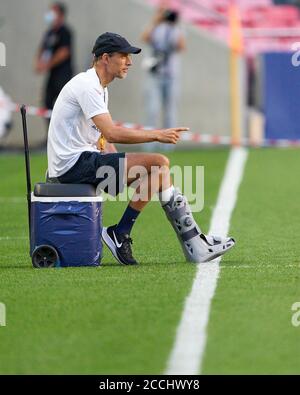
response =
{"points": [[207, 247]]}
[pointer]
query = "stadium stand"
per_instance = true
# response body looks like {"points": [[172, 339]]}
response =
{"points": [[270, 31], [266, 26]]}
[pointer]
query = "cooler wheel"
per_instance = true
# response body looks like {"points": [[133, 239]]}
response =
{"points": [[45, 256]]}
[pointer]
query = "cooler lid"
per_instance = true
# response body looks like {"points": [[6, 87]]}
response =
{"points": [[63, 190]]}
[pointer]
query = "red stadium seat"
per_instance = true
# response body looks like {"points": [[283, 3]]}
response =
{"points": [[255, 14]]}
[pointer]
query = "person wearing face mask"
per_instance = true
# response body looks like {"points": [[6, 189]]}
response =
{"points": [[54, 57]]}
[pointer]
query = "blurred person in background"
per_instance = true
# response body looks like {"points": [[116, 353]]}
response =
{"points": [[166, 41], [54, 56]]}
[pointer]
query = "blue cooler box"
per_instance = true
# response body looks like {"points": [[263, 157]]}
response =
{"points": [[72, 225]]}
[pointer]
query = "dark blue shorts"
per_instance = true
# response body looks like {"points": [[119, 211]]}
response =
{"points": [[104, 171]]}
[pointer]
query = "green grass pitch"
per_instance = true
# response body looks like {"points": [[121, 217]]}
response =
{"points": [[122, 320]]}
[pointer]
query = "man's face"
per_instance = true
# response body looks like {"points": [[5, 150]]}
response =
{"points": [[118, 64]]}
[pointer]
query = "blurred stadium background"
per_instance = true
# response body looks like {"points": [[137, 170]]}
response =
{"points": [[240, 85], [268, 32]]}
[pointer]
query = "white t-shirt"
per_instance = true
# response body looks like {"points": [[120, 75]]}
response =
{"points": [[71, 129]]}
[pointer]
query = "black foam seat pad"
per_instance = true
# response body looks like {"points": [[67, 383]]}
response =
{"points": [[64, 190]]}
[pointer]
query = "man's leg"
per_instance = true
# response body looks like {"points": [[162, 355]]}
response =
{"points": [[156, 179], [148, 174]]}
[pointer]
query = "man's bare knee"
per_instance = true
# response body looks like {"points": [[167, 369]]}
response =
{"points": [[148, 161], [162, 161], [166, 161]]}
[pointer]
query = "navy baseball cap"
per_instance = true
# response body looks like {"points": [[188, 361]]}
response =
{"points": [[112, 42]]}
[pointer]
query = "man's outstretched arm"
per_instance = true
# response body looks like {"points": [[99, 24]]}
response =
{"points": [[122, 135]]}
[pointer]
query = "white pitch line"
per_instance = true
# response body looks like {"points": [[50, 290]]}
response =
{"points": [[260, 267], [187, 353]]}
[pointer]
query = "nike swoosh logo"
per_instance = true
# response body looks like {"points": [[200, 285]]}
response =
{"points": [[116, 241]]}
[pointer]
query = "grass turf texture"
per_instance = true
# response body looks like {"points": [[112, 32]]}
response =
{"points": [[250, 328], [105, 320]]}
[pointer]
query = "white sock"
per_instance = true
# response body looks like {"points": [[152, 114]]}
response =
{"points": [[165, 196]]}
